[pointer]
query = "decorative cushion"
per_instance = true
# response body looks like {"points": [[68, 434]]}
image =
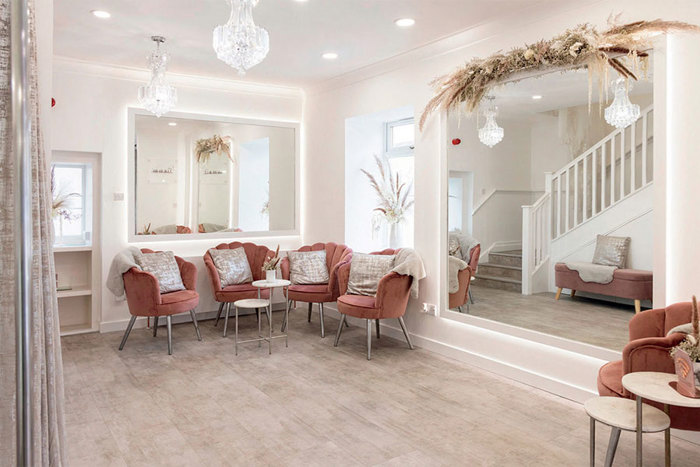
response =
{"points": [[232, 266], [308, 267], [162, 265], [366, 271], [453, 246], [611, 251]]}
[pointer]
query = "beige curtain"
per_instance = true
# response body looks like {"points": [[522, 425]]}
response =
{"points": [[48, 446]]}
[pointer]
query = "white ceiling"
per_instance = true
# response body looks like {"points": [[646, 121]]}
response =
{"points": [[362, 32]]}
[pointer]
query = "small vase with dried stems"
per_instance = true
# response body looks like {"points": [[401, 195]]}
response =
{"points": [[393, 196], [270, 266], [691, 343]]}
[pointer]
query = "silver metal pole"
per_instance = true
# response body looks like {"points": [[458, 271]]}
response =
{"points": [[21, 137]]}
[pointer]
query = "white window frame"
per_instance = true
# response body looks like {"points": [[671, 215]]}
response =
{"points": [[389, 148]]}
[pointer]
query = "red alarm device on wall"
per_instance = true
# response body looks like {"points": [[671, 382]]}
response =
{"points": [[456, 141]]}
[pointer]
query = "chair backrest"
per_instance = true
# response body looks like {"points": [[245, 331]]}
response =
{"points": [[474, 257], [335, 253], [344, 270], [657, 322], [256, 254]]}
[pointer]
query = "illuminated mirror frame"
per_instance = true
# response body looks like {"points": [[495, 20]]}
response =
{"points": [[131, 193]]}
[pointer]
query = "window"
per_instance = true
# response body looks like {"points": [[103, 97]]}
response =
{"points": [[400, 136], [71, 187]]}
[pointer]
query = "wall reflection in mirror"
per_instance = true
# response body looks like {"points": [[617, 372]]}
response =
{"points": [[537, 223], [198, 176]]}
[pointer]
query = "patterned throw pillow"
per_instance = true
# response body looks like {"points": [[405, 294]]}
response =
{"points": [[232, 266], [366, 271], [308, 267], [611, 251], [164, 267], [453, 247]]}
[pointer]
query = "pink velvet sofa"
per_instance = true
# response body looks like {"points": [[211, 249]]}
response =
{"points": [[390, 301], [257, 255], [633, 284], [144, 298], [336, 255], [464, 277], [648, 350]]}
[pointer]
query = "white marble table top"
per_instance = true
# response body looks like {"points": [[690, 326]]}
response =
{"points": [[622, 413], [251, 303], [654, 386], [265, 284]]}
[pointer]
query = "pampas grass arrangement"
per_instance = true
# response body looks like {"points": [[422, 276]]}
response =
{"points": [[392, 192], [621, 47], [60, 199], [205, 147]]}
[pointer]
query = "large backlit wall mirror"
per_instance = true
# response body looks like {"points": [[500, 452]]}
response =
{"points": [[194, 175], [522, 211]]}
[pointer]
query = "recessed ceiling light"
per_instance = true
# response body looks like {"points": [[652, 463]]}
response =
{"points": [[330, 55], [101, 14], [536, 97], [172, 124], [405, 22]]}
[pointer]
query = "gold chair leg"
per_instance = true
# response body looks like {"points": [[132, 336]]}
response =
{"points": [[637, 306], [558, 293]]}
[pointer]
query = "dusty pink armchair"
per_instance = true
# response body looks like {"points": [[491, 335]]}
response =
{"points": [[391, 300], [648, 350], [336, 256], [144, 298], [257, 255]]}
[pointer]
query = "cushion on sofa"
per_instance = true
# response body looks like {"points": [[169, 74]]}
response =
{"points": [[611, 251]]}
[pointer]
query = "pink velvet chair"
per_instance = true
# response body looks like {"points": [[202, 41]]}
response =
{"points": [[257, 255], [144, 298], [648, 350], [392, 296], [336, 256], [464, 277]]}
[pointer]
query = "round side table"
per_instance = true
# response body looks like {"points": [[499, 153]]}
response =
{"points": [[654, 386], [253, 304], [265, 284], [619, 414]]}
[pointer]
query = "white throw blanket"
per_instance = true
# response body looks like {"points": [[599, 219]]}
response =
{"points": [[589, 272], [121, 264], [409, 263], [455, 265]]}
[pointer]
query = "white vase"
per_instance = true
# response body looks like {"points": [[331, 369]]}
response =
{"points": [[270, 275], [394, 234]]}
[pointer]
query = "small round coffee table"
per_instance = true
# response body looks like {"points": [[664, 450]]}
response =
{"points": [[251, 304], [619, 414], [272, 284], [654, 386]]}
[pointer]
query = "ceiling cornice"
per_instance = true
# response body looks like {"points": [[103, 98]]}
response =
{"points": [[102, 70]]}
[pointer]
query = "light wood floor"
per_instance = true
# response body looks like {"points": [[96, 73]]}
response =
{"points": [[595, 322], [312, 404]]}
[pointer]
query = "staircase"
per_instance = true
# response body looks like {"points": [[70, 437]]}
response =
{"points": [[613, 170], [502, 271]]}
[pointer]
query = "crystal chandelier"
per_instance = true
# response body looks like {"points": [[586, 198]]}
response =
{"points": [[621, 113], [240, 43], [158, 96], [490, 134]]}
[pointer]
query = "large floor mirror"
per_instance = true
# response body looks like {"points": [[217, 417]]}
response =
{"points": [[198, 174], [540, 187]]}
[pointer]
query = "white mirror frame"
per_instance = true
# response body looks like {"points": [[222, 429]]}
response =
{"points": [[131, 194]]}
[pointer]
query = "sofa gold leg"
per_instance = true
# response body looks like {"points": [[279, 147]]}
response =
{"points": [[637, 306], [573, 293], [558, 293]]}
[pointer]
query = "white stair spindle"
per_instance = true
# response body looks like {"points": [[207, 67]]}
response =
{"points": [[567, 206], [575, 195], [558, 217], [644, 149], [622, 164], [594, 183], [633, 157], [584, 214], [612, 171]]}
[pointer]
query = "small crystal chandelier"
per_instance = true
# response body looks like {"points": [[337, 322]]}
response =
{"points": [[158, 96], [240, 43], [621, 113], [490, 134]]}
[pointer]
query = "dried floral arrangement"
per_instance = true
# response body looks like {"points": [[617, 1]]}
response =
{"points": [[205, 147], [691, 344], [272, 263], [392, 193], [621, 47], [59, 200], [147, 230]]}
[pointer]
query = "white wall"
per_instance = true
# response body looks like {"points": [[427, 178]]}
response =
{"points": [[404, 81], [91, 115]]}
